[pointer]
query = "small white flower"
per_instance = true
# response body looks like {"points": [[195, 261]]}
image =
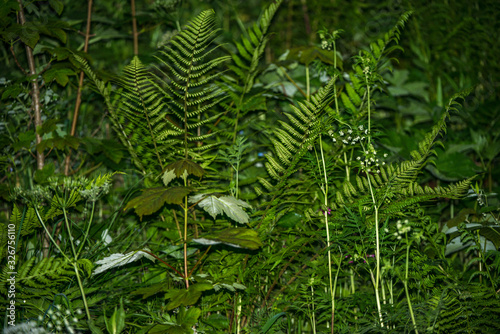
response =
{"points": [[334, 140], [385, 155], [349, 131], [341, 132], [345, 141], [386, 230], [358, 158], [360, 128], [324, 44]]}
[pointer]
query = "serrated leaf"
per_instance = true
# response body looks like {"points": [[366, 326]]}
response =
{"points": [[168, 176], [41, 175], [235, 237], [179, 167], [229, 205], [118, 260], [152, 199], [60, 75], [150, 290], [57, 6], [186, 297]]}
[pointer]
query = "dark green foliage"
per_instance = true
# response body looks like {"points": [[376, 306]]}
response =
{"points": [[336, 150]]}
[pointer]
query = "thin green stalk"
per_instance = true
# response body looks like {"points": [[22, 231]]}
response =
{"points": [[405, 283], [68, 228], [80, 285], [325, 192], [49, 234], [88, 229], [308, 85], [186, 208], [377, 253]]}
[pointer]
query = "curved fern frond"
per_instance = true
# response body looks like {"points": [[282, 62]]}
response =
{"points": [[245, 68], [188, 77], [294, 139]]}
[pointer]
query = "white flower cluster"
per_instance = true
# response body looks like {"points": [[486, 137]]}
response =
{"points": [[349, 136], [56, 320], [371, 162], [403, 228]]}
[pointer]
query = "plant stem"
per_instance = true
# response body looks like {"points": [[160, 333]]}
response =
{"points": [[80, 86], [186, 277], [405, 283], [325, 192], [91, 219], [135, 34], [377, 253], [80, 285], [47, 233]]}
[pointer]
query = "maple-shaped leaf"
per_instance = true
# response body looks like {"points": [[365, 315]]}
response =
{"points": [[229, 205], [234, 237], [152, 199], [118, 259], [181, 165]]}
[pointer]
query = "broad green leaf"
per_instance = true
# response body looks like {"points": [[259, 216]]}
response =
{"points": [[41, 175], [150, 290], [47, 126], [307, 54], [185, 297], [290, 220], [168, 176], [235, 237], [60, 75], [185, 165], [229, 205], [116, 323], [152, 199], [57, 6], [118, 260], [12, 91]]}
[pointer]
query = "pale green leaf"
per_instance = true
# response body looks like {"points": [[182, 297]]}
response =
{"points": [[229, 205], [118, 260]]}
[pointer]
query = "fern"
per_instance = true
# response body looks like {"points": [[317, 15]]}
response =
{"points": [[245, 67], [189, 83], [294, 139], [153, 113]]}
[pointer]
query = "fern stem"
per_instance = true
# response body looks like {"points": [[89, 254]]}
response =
{"points": [[186, 278], [405, 283], [308, 84]]}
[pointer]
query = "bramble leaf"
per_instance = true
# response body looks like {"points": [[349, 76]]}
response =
{"points": [[229, 205], [152, 199], [234, 237]]}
